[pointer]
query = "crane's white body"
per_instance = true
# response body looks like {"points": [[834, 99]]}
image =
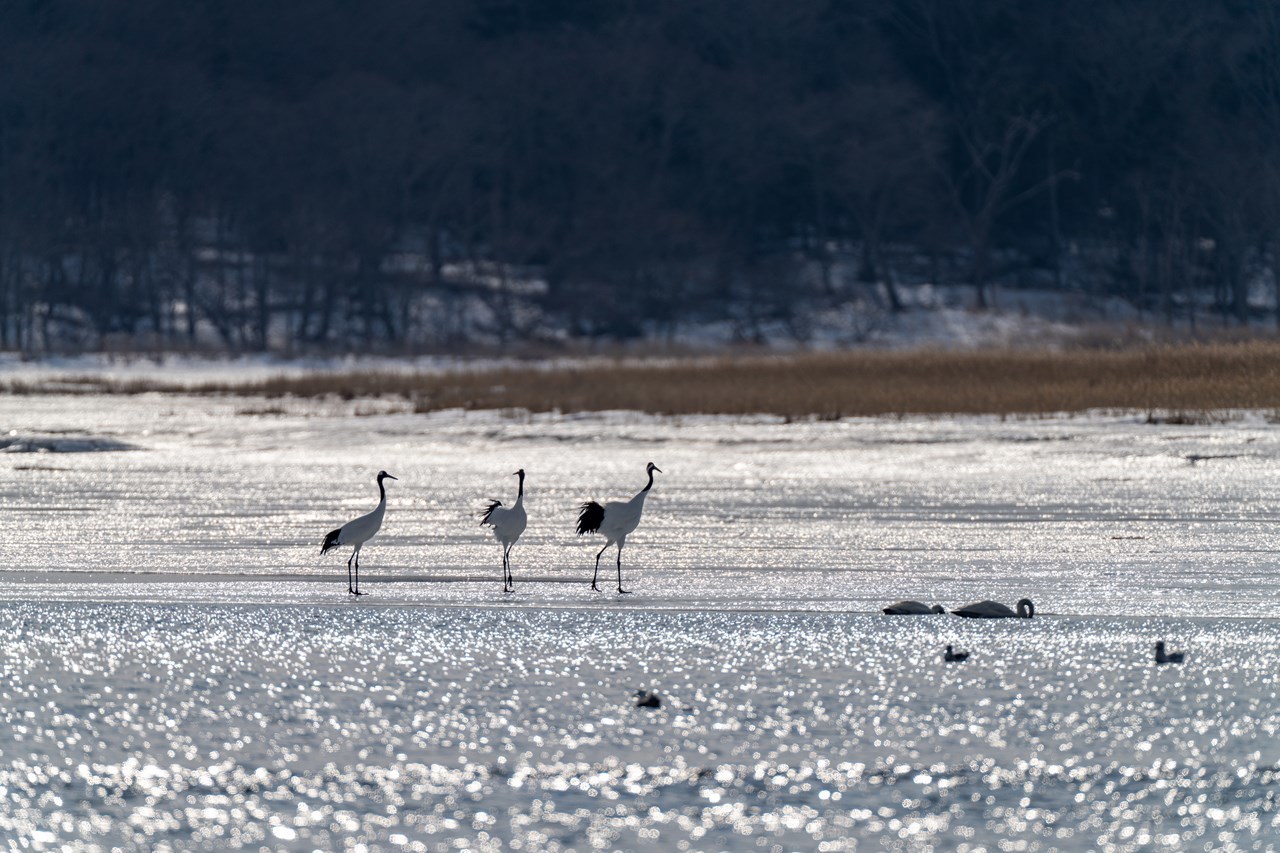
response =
{"points": [[622, 518], [614, 521], [357, 532], [507, 523], [912, 608], [360, 530], [996, 610]]}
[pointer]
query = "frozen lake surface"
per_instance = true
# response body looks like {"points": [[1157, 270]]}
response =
{"points": [[181, 666], [135, 725]]}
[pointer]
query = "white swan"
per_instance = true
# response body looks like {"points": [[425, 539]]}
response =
{"points": [[912, 608], [996, 610], [1171, 657]]}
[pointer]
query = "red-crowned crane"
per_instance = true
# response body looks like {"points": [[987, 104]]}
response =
{"points": [[507, 523], [357, 532], [614, 520]]}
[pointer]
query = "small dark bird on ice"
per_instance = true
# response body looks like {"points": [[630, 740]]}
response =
{"points": [[648, 699], [954, 657], [1162, 657]]}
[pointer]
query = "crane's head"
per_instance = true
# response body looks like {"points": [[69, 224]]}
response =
{"points": [[651, 468], [519, 474], [383, 475]]}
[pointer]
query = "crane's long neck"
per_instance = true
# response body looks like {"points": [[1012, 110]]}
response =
{"points": [[520, 494], [382, 495], [643, 493]]}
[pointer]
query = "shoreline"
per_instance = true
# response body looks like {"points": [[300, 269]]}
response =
{"points": [[1175, 383]]}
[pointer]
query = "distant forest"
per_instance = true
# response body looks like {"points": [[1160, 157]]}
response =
{"points": [[408, 174]]}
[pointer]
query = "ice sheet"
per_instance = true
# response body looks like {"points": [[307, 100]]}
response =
{"points": [[228, 500], [202, 727], [182, 669]]}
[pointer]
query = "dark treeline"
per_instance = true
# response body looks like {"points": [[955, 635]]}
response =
{"points": [[406, 174]]}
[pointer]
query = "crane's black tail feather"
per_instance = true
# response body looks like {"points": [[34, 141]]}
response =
{"points": [[331, 541], [590, 518], [488, 511]]}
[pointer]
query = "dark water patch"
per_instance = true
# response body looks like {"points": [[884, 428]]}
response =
{"points": [[62, 444]]}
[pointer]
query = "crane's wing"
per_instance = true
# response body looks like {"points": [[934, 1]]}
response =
{"points": [[590, 517], [486, 514]]}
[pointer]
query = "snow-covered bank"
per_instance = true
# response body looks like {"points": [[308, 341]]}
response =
{"points": [[934, 317], [192, 371]]}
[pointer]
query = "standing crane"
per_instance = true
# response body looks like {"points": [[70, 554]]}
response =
{"points": [[614, 521], [357, 532], [507, 524]]}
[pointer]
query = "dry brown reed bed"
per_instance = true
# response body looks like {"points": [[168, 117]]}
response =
{"points": [[1191, 380]]}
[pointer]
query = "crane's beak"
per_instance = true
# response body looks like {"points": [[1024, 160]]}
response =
{"points": [[656, 468], [389, 477]]}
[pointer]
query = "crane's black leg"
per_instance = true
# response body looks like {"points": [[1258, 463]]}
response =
{"points": [[511, 578], [620, 589], [597, 572], [506, 571], [358, 592], [349, 559]]}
